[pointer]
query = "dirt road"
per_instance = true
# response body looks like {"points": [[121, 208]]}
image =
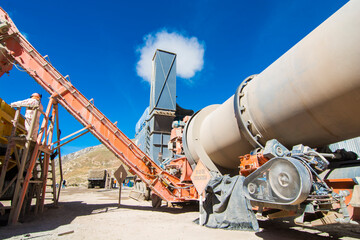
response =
{"points": [[94, 214]]}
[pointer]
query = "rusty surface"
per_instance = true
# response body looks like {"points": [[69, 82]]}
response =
{"points": [[250, 162]]}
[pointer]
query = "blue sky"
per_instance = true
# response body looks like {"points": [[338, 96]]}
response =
{"points": [[97, 43]]}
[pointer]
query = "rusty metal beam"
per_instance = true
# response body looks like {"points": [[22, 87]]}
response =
{"points": [[82, 134]]}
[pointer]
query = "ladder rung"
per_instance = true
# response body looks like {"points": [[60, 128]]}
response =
{"points": [[35, 181]]}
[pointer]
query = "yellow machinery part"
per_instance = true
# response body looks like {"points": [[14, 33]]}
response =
{"points": [[6, 115]]}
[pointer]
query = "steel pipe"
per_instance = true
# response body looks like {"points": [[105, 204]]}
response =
{"points": [[310, 95]]}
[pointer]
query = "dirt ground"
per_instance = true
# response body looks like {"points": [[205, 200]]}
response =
{"points": [[94, 214]]}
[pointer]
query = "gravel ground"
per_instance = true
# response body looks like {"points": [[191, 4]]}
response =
{"points": [[94, 214]]}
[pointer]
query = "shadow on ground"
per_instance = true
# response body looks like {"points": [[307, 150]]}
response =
{"points": [[175, 210], [64, 214], [35, 227], [278, 229]]}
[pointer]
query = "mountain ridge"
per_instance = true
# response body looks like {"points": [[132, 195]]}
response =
{"points": [[76, 166]]}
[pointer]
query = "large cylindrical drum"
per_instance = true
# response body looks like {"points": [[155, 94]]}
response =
{"points": [[310, 95]]}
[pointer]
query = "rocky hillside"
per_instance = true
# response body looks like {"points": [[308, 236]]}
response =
{"points": [[76, 166]]}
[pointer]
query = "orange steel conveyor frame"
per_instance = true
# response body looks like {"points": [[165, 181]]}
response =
{"points": [[15, 48]]}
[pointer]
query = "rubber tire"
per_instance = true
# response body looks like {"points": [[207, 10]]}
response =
{"points": [[155, 201]]}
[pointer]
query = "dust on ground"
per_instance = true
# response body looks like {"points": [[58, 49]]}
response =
{"points": [[94, 214]]}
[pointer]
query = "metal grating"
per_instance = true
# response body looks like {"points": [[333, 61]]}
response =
{"points": [[349, 145]]}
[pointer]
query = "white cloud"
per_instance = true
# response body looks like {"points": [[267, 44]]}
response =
{"points": [[190, 53]]}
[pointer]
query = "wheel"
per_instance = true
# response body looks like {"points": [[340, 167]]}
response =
{"points": [[155, 201]]}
